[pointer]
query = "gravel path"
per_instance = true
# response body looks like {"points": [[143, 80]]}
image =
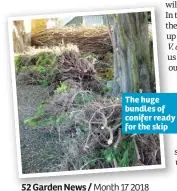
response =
{"points": [[38, 149]]}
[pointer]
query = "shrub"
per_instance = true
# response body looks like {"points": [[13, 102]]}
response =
{"points": [[18, 62], [83, 98], [124, 154], [45, 59]]}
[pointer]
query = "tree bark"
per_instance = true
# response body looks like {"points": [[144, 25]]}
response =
{"points": [[132, 62], [21, 39]]}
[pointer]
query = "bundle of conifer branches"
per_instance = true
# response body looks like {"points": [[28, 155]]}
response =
{"points": [[95, 39]]}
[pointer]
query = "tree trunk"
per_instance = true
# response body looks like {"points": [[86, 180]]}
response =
{"points": [[21, 38], [132, 62]]}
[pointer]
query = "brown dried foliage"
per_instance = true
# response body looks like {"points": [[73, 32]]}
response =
{"points": [[95, 39]]}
